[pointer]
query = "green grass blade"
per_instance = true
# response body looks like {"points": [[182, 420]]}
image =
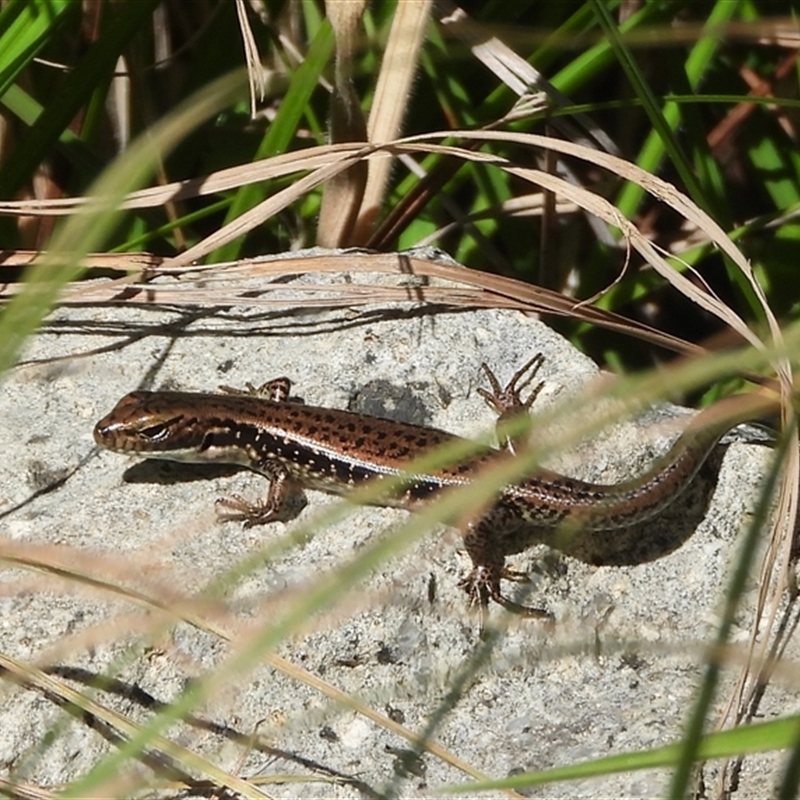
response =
{"points": [[664, 121], [25, 28], [758, 738], [283, 128], [86, 231], [127, 20]]}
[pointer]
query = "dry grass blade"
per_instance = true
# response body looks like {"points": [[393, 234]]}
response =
{"points": [[392, 95], [519, 76], [255, 72], [232, 284], [163, 748], [344, 191], [221, 181], [25, 791], [334, 160], [170, 607]]}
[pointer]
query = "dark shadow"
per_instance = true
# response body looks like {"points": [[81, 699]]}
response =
{"points": [[166, 473], [271, 323]]}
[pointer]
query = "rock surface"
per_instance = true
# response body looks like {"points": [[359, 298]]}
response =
{"points": [[616, 672]]}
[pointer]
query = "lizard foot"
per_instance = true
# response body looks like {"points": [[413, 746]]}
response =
{"points": [[482, 584]]}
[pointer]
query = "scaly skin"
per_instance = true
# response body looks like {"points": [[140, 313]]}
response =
{"points": [[336, 451]]}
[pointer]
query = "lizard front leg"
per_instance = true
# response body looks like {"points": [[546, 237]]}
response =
{"points": [[273, 508], [277, 390]]}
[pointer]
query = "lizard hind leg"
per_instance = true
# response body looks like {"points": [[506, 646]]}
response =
{"points": [[483, 581], [509, 399], [508, 404]]}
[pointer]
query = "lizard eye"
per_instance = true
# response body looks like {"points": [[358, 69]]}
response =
{"points": [[160, 431], [155, 433]]}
